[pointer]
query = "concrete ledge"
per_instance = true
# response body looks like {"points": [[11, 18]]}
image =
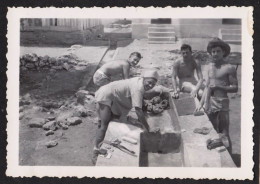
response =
{"points": [[194, 145], [119, 158]]}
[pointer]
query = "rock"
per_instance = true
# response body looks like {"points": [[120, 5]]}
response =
{"points": [[36, 123], [22, 62], [45, 58], [21, 115], [63, 126], [21, 109], [73, 121], [37, 108], [23, 68], [54, 105], [51, 125], [82, 63], [72, 61], [66, 66], [50, 132], [82, 111], [64, 115], [57, 67], [51, 144], [89, 99], [41, 64], [24, 103], [80, 68], [51, 118], [52, 70], [52, 60], [30, 65]]}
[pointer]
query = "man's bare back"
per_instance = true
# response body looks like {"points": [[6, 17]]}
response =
{"points": [[115, 67]]}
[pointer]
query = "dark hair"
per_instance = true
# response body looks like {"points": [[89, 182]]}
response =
{"points": [[186, 46], [135, 54]]}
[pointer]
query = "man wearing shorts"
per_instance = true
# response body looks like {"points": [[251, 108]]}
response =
{"points": [[104, 73]]}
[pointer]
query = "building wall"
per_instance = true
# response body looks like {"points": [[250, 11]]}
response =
{"points": [[185, 28]]}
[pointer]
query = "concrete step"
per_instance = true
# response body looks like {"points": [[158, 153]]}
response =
{"points": [[231, 37], [167, 39], [160, 29], [230, 31], [161, 34], [161, 25], [161, 42]]}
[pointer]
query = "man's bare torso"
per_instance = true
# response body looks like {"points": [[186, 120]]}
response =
{"points": [[219, 75], [114, 67]]}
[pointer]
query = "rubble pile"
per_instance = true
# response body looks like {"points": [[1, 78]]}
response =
{"points": [[60, 115], [68, 61]]}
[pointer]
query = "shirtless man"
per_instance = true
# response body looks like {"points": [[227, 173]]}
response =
{"points": [[222, 79], [103, 74], [184, 68]]}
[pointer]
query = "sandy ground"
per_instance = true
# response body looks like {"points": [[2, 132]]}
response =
{"points": [[75, 144]]}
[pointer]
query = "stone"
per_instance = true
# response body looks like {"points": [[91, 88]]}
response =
{"points": [[66, 66], [89, 99], [21, 115], [24, 103], [73, 121], [72, 61], [21, 109], [80, 68], [81, 111], [51, 118], [51, 125], [22, 62], [45, 58], [51, 144], [30, 65], [63, 126], [23, 68], [49, 105], [52, 60], [52, 70], [50, 132], [41, 64], [57, 67], [64, 115], [36, 123], [82, 63]]}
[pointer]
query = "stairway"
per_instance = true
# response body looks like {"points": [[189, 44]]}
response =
{"points": [[232, 36], [161, 34]]}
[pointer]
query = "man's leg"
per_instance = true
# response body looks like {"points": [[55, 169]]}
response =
{"points": [[223, 117], [105, 116]]}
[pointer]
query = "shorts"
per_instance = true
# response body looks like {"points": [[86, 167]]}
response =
{"points": [[101, 79]]}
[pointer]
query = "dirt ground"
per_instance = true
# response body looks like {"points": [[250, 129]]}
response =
{"points": [[76, 143]]}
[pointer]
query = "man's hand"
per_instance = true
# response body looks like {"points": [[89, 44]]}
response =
{"points": [[194, 93], [175, 95], [198, 108], [213, 86]]}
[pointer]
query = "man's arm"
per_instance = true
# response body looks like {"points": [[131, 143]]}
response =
{"points": [[126, 69], [174, 75], [199, 75], [233, 83], [141, 117]]}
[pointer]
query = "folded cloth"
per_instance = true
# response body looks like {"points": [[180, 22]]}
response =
{"points": [[203, 130]]}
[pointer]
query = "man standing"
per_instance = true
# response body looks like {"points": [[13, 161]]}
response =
{"points": [[222, 79], [118, 98], [104, 73], [184, 68]]}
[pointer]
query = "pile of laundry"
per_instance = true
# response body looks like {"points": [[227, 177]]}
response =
{"points": [[156, 105]]}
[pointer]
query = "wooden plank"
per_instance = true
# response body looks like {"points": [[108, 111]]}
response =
{"points": [[119, 158]]}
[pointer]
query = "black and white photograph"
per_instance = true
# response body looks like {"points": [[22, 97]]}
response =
{"points": [[152, 93]]}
